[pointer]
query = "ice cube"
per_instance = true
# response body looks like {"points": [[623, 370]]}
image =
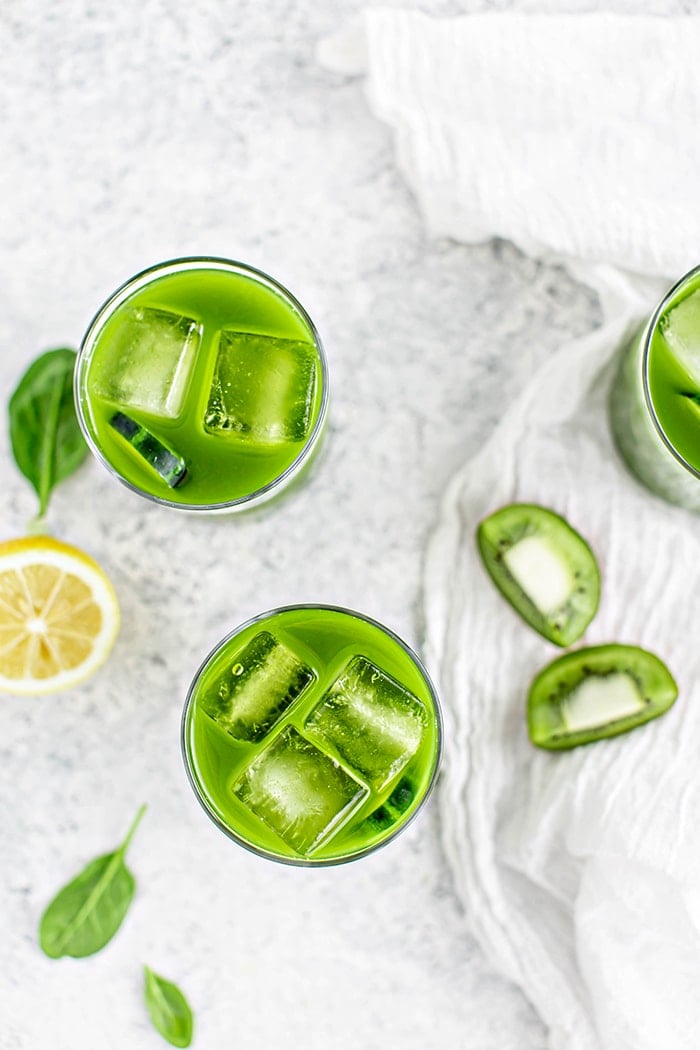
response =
{"points": [[263, 388], [165, 461], [370, 720], [299, 791], [680, 328], [147, 361], [257, 688]]}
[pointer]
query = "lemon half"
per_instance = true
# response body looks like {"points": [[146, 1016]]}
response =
{"points": [[59, 616]]}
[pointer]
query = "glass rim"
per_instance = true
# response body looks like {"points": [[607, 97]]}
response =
{"points": [[651, 328], [300, 862], [144, 277]]}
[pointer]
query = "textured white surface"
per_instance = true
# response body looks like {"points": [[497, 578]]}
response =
{"points": [[590, 166], [590, 877], [578, 872], [133, 133]]}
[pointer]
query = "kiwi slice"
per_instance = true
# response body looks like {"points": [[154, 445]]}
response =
{"points": [[597, 692], [165, 461], [543, 567]]}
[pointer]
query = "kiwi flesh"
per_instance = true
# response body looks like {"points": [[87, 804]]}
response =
{"points": [[596, 692], [543, 567]]}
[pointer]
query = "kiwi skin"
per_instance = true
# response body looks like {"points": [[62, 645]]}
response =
{"points": [[555, 681], [502, 529]]}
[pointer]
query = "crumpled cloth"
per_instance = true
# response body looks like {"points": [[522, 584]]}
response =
{"points": [[574, 136]]}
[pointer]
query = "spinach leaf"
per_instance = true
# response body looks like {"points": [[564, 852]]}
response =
{"points": [[47, 442], [86, 913], [169, 1010]]}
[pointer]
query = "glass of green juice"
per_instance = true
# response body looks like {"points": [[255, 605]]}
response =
{"points": [[311, 735], [202, 384], [655, 397]]}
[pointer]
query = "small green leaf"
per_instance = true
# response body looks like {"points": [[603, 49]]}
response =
{"points": [[87, 912], [47, 442], [168, 1009]]}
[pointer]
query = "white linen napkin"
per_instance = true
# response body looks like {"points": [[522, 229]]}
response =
{"points": [[574, 135]]}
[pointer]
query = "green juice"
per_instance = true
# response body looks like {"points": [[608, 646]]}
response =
{"points": [[655, 398], [201, 383], [311, 735], [673, 371]]}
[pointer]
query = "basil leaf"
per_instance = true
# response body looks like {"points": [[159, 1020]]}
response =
{"points": [[47, 442], [86, 913], [168, 1009]]}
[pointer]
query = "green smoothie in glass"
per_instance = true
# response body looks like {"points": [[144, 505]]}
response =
{"points": [[202, 384], [311, 735], [655, 398]]}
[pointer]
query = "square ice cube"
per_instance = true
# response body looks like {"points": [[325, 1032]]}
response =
{"points": [[257, 688], [680, 328], [263, 388], [299, 791], [147, 362], [371, 721]]}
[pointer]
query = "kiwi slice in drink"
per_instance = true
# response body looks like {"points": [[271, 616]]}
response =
{"points": [[166, 462], [597, 692], [543, 567]]}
